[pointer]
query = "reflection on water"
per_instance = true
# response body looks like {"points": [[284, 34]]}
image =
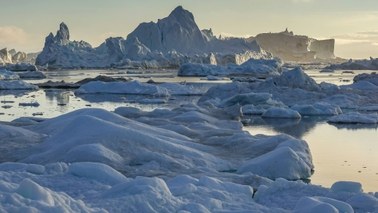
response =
{"points": [[294, 127], [347, 152], [54, 102], [60, 96]]}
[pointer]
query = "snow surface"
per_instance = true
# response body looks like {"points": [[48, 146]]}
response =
{"points": [[81, 187]]}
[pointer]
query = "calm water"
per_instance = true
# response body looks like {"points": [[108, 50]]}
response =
{"points": [[339, 153]]}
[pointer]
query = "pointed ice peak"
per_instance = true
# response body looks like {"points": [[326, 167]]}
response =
{"points": [[63, 34], [181, 14]]}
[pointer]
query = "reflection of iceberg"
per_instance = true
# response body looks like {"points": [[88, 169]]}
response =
{"points": [[61, 97], [355, 126], [295, 128]]}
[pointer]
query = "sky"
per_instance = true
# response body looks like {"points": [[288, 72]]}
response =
{"points": [[24, 24]]}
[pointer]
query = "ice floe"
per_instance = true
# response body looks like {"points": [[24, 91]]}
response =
{"points": [[354, 118], [261, 68], [138, 88]]}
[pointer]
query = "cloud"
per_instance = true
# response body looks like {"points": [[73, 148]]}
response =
{"points": [[11, 35], [368, 37], [227, 35]]}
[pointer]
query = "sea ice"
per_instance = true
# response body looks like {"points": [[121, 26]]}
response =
{"points": [[138, 88], [275, 112], [354, 118], [318, 109], [261, 68]]}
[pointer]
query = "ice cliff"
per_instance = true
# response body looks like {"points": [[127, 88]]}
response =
{"points": [[290, 47]]}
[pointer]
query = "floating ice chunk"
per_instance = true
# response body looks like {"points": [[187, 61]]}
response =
{"points": [[181, 89], [295, 78], [344, 101], [224, 91], [251, 109], [275, 112], [16, 85], [354, 118], [372, 78], [32, 75], [282, 162], [8, 75], [98, 172], [152, 101], [368, 108], [365, 64], [248, 98], [347, 186], [321, 204], [201, 70], [261, 68], [361, 85], [329, 87], [213, 78], [21, 67], [318, 109], [133, 87], [30, 104]]}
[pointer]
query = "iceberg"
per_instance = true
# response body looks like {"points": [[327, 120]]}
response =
{"points": [[289, 47], [170, 42]]}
